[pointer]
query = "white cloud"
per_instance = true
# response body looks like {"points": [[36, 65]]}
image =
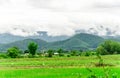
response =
{"points": [[57, 17]]}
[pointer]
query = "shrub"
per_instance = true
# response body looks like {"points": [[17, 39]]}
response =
{"points": [[74, 53], [30, 56], [13, 52], [87, 54], [3, 56], [50, 53], [100, 50], [61, 54], [68, 55], [60, 51]]}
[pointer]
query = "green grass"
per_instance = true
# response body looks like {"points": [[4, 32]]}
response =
{"points": [[56, 67], [54, 73]]}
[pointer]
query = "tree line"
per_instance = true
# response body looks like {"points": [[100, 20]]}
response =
{"points": [[107, 47]]}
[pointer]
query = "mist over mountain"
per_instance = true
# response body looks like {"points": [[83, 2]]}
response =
{"points": [[9, 38], [101, 31]]}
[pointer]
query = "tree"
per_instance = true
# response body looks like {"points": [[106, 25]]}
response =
{"points": [[100, 50], [32, 47], [50, 53], [26, 51], [73, 52], [109, 47], [13, 52], [60, 51]]}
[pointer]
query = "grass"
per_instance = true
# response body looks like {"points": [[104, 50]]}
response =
{"points": [[56, 67], [54, 73]]}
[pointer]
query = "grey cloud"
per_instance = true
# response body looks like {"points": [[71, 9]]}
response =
{"points": [[4, 1], [108, 4], [21, 12], [61, 5], [74, 5], [40, 3]]}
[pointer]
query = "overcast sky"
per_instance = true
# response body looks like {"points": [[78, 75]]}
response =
{"points": [[57, 17]]}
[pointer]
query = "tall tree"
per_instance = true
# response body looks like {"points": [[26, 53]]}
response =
{"points": [[32, 47]]}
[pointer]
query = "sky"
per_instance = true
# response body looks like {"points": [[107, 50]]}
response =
{"points": [[58, 17]]}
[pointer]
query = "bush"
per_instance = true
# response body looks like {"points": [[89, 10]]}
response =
{"points": [[60, 51], [93, 53], [74, 53], [13, 52], [87, 54], [100, 50], [50, 53], [61, 54], [30, 56], [68, 55], [3, 56]]}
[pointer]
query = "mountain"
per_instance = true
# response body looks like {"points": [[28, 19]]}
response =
{"points": [[77, 42], [115, 38], [6, 38], [92, 40], [69, 44], [23, 44], [44, 36]]}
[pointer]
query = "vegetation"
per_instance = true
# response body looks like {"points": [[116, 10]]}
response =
{"points": [[50, 53], [64, 63], [13, 52], [32, 48], [59, 67], [60, 52], [109, 47], [78, 42]]}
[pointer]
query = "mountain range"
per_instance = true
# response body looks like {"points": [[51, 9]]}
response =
{"points": [[6, 38], [80, 41], [101, 31]]}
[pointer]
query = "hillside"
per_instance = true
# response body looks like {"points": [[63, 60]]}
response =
{"points": [[79, 41], [92, 40], [115, 38], [23, 44], [7, 38], [69, 44]]}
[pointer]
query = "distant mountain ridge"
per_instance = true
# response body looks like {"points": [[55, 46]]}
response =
{"points": [[101, 31], [23, 44], [6, 38], [77, 42]]}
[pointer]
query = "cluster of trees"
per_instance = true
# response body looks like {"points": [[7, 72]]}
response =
{"points": [[109, 47], [14, 52]]}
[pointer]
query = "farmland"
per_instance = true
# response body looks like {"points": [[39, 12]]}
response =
{"points": [[57, 67]]}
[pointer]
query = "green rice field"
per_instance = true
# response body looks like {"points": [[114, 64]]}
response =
{"points": [[59, 67]]}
